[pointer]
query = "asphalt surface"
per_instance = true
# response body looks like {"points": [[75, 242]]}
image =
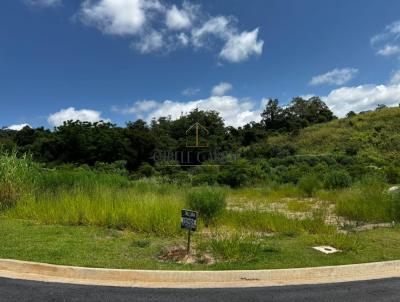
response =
{"points": [[379, 290]]}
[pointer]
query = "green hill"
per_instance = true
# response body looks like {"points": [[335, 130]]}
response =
{"points": [[372, 136]]}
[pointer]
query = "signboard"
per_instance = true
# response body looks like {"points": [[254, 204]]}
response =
{"points": [[189, 220]]}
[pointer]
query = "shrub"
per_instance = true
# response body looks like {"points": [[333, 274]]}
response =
{"points": [[239, 173], [234, 176], [182, 178], [395, 201], [118, 167], [146, 170], [337, 180], [392, 175], [204, 179], [309, 184], [210, 203]]}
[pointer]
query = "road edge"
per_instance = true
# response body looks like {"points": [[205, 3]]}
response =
{"points": [[16, 269]]}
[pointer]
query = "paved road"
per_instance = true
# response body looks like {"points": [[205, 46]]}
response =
{"points": [[374, 291]]}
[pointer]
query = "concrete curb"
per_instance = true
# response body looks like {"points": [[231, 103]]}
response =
{"points": [[197, 279]]}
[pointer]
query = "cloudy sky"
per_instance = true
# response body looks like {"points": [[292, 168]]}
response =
{"points": [[120, 60]]}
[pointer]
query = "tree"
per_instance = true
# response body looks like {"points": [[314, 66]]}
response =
{"points": [[273, 116], [311, 111], [299, 114], [380, 107], [350, 114], [139, 144]]}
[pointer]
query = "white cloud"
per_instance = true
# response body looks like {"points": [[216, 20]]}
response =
{"points": [[156, 26], [387, 42], [18, 127], [183, 39], [178, 19], [138, 107], [307, 96], [118, 17], [389, 50], [335, 77], [362, 98], [240, 47], [395, 79], [84, 115], [234, 111], [43, 3], [221, 89], [190, 91], [220, 27], [394, 28], [150, 42]]}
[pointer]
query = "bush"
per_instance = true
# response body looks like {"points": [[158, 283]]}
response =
{"points": [[239, 173], [204, 179], [337, 180], [392, 175], [309, 184], [146, 170], [395, 201], [210, 203]]}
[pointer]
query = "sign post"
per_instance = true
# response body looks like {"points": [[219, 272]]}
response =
{"points": [[189, 222]]}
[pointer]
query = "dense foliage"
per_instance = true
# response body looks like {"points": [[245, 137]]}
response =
{"points": [[288, 144]]}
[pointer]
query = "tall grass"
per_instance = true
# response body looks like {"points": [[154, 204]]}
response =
{"points": [[17, 178], [102, 206], [273, 223], [238, 248], [369, 201], [79, 196], [268, 194]]}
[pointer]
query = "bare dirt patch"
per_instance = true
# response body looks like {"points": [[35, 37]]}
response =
{"points": [[178, 254], [313, 206]]}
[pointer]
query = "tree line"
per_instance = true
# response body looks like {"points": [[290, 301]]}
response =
{"points": [[88, 143]]}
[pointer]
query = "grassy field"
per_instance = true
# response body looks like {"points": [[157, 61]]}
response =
{"points": [[102, 247], [81, 217]]}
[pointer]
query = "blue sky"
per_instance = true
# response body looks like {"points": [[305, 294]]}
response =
{"points": [[120, 60]]}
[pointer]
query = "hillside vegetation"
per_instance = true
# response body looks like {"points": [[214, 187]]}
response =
{"points": [[373, 136]]}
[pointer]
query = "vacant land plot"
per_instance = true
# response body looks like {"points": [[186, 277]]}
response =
{"points": [[81, 217]]}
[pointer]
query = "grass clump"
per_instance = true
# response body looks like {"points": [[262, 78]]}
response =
{"points": [[209, 202], [299, 206], [238, 248], [337, 180], [141, 243], [309, 184]]}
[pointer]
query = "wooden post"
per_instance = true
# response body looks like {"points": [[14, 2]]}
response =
{"points": [[188, 243]]}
